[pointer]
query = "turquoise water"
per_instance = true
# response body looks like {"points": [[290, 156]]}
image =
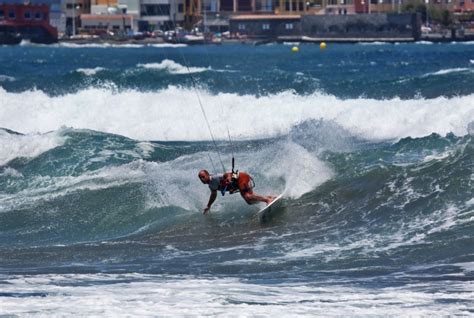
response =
{"points": [[371, 144]]}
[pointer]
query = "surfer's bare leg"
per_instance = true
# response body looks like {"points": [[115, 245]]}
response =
{"points": [[252, 198]]}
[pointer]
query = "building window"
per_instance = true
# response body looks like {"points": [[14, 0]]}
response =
{"points": [[332, 2], [71, 6], [180, 8], [27, 15], [11, 15], [289, 26], [38, 15], [241, 26], [155, 9], [2, 14], [266, 26]]}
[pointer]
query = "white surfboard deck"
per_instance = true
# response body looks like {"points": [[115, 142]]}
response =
{"points": [[264, 212]]}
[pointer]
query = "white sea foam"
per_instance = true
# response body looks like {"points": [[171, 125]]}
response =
{"points": [[168, 45], [100, 45], [450, 71], [11, 173], [124, 295], [373, 43], [174, 114], [467, 266], [28, 146], [6, 78], [301, 170], [90, 71], [282, 167], [27, 43], [438, 156], [172, 67]]}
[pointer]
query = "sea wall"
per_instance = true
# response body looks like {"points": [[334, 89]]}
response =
{"points": [[376, 25], [373, 26], [269, 27]]}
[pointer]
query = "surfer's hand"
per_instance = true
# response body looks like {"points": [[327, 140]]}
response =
{"points": [[206, 210]]}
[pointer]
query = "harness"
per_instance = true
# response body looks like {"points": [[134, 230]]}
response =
{"points": [[234, 184]]}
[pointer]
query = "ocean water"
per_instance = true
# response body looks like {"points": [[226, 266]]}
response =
{"points": [[101, 207]]}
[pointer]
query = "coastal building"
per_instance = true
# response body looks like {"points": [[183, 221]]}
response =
{"points": [[56, 14], [464, 5], [30, 21], [257, 18], [265, 26], [375, 26], [164, 14], [212, 13], [337, 28], [73, 10], [136, 15], [111, 21]]}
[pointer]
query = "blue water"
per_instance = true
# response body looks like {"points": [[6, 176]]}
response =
{"points": [[371, 144], [373, 71]]}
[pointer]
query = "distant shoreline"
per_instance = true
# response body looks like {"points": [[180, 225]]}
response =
{"points": [[298, 39]]}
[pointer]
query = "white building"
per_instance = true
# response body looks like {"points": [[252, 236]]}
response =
{"points": [[159, 13], [156, 13], [138, 15]]}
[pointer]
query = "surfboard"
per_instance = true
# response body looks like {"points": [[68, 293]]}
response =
{"points": [[265, 212]]}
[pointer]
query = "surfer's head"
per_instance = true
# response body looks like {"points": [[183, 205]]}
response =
{"points": [[204, 176]]}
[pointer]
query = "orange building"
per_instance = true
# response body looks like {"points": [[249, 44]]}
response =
{"points": [[463, 5], [108, 3]]}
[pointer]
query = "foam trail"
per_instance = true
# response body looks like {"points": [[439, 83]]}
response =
{"points": [[5, 78], [449, 71], [300, 169], [174, 114], [172, 67], [170, 183], [90, 71]]}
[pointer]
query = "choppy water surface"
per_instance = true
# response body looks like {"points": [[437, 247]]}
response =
{"points": [[99, 196]]}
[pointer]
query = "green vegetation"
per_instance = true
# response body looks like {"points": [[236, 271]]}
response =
{"points": [[429, 12]]}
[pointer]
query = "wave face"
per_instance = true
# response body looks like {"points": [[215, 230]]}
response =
{"points": [[374, 152], [348, 202]]}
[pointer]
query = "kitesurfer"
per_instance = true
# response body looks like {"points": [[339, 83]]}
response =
{"points": [[232, 182]]}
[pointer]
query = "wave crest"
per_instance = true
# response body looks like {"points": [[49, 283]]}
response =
{"points": [[174, 114]]}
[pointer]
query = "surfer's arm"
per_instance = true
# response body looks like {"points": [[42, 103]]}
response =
{"points": [[212, 198]]}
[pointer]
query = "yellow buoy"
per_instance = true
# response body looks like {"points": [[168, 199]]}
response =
{"points": [[322, 45], [295, 49]]}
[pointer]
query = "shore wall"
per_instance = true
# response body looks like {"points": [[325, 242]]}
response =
{"points": [[254, 27], [376, 25]]}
